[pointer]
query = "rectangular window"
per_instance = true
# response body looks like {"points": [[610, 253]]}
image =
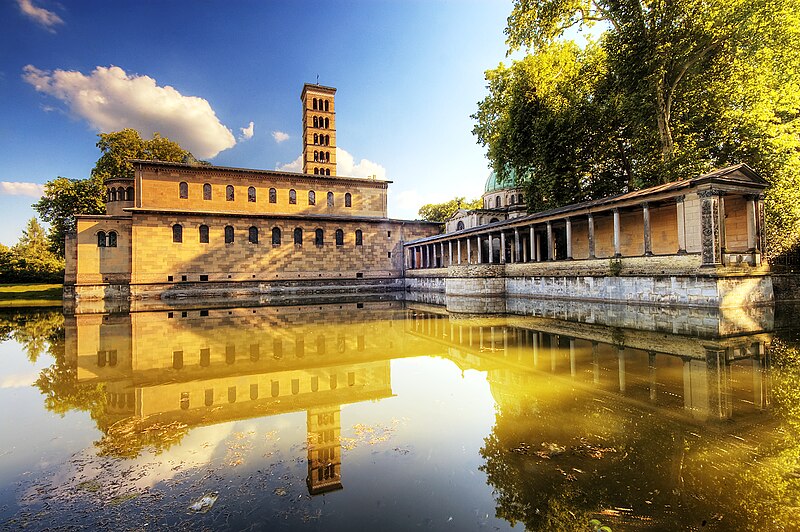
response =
{"points": [[203, 312], [184, 278], [169, 278], [204, 278]]}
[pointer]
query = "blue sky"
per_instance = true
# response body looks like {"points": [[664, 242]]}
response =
{"points": [[408, 74]]}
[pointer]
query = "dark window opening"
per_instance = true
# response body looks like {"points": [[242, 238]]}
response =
{"points": [[330, 199], [228, 234], [312, 198], [101, 239], [229, 193], [276, 236], [319, 237], [177, 233], [292, 197], [206, 191], [112, 239], [183, 190], [251, 194], [298, 236], [204, 234], [359, 237], [252, 235], [339, 237], [348, 200], [273, 195]]}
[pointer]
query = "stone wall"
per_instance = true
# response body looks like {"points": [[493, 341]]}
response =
{"points": [[100, 265], [159, 190]]}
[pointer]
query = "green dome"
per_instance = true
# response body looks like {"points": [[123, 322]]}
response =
{"points": [[492, 184]]}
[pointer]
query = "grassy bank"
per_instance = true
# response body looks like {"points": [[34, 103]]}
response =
{"points": [[30, 295]]}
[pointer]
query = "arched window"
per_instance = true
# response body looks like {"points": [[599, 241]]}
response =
{"points": [[348, 200], [206, 191], [110, 195], [292, 197], [459, 225], [228, 234], [312, 198], [101, 239], [276, 236], [326, 124], [316, 138], [315, 103], [316, 122], [512, 199], [521, 198], [493, 220], [316, 171], [273, 195], [359, 237], [112, 239], [497, 203], [121, 194], [229, 193], [252, 235], [327, 171], [319, 237], [316, 156], [251, 194], [327, 156], [339, 237], [330, 199], [204, 234], [131, 194], [183, 189], [326, 105], [177, 233], [298, 236]]}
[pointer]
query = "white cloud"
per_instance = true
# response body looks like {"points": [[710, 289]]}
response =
{"points": [[42, 16], [18, 380], [17, 188], [280, 136], [247, 132], [110, 100], [294, 166]]}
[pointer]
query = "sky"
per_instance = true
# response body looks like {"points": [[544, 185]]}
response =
{"points": [[223, 79]]}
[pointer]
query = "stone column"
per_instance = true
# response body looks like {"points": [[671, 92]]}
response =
{"points": [[441, 248], [491, 254], [648, 243], [681, 212], [450, 251], [535, 348], [532, 244], [569, 238], [709, 227], [723, 244], [553, 351], [595, 363], [458, 243], [469, 252], [752, 223], [616, 234], [550, 254], [538, 248], [502, 247], [478, 249], [621, 362], [516, 256], [591, 236]]}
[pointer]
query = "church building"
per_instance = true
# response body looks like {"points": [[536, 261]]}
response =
{"points": [[193, 229]]}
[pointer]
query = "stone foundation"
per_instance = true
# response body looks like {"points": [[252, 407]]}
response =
{"points": [[713, 290]]}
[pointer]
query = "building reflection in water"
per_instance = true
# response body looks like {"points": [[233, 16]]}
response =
{"points": [[207, 366]]}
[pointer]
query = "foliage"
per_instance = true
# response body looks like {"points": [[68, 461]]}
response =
{"points": [[35, 331], [64, 198], [120, 146], [30, 259], [441, 212], [672, 89]]}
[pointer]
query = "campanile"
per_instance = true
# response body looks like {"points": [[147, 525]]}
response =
{"points": [[319, 130]]}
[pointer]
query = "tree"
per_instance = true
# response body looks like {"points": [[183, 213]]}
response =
{"points": [[441, 212], [671, 89], [64, 198], [30, 259]]}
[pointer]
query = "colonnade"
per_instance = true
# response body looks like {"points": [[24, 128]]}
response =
{"points": [[538, 238]]}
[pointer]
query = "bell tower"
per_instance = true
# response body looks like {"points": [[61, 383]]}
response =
{"points": [[319, 130]]}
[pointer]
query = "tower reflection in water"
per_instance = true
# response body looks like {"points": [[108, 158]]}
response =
{"points": [[194, 367]]}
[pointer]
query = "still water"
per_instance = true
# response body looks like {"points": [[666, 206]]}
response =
{"points": [[397, 415]]}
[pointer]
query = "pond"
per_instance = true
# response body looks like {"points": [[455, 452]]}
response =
{"points": [[395, 415]]}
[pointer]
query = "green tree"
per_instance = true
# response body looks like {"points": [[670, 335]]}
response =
{"points": [[441, 212], [671, 89], [31, 259], [64, 198]]}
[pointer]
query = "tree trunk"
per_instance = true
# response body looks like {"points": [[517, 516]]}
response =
{"points": [[662, 115]]}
